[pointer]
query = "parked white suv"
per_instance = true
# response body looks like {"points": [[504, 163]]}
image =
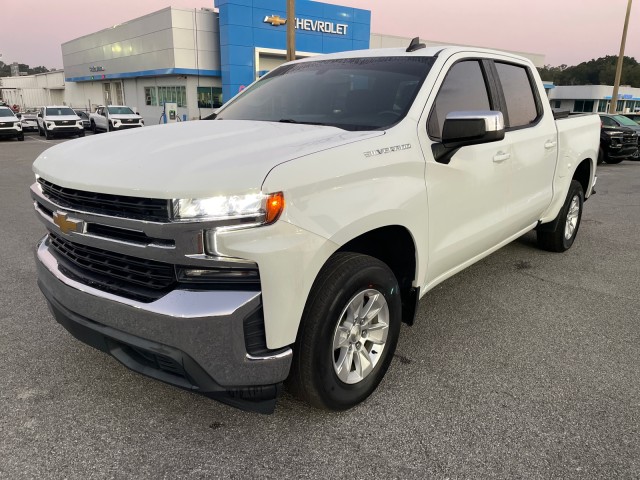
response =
{"points": [[57, 120], [10, 125], [114, 117]]}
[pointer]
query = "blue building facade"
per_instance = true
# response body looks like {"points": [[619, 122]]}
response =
{"points": [[248, 26]]}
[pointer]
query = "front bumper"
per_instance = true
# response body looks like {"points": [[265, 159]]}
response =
{"points": [[64, 129], [10, 132], [191, 339], [126, 126], [621, 150]]}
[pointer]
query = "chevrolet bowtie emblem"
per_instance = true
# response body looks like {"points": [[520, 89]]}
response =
{"points": [[275, 20], [66, 224]]}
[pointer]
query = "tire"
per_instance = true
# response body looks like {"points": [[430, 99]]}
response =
{"points": [[47, 134], [21, 137], [40, 132], [612, 161], [109, 127], [81, 134], [331, 348], [566, 225], [93, 127], [600, 156]]}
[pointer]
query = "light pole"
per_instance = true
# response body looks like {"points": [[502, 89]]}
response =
{"points": [[613, 106], [291, 30]]}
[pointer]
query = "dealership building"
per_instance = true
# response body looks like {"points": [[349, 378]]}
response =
{"points": [[594, 98], [197, 58]]}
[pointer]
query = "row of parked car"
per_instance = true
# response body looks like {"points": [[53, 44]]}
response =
{"points": [[619, 137], [57, 120]]}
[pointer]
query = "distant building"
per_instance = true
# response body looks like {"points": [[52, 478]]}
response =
{"points": [[593, 98], [197, 58]]}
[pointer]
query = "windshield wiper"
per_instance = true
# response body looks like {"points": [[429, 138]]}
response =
{"points": [[291, 120]]}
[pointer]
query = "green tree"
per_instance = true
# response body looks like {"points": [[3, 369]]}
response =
{"points": [[599, 71]]}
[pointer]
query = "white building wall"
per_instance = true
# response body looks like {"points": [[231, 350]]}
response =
{"points": [[34, 90]]}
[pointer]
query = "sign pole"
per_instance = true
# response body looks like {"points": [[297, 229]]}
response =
{"points": [[613, 106], [291, 30]]}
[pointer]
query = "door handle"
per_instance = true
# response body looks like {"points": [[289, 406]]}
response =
{"points": [[501, 157], [550, 144]]}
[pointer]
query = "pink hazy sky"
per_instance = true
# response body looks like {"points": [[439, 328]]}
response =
{"points": [[565, 31]]}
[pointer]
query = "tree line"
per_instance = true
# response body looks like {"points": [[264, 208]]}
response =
{"points": [[601, 71], [5, 69]]}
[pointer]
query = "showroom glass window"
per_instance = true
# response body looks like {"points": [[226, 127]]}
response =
{"points": [[150, 97], [172, 94], [463, 89], [520, 99], [209, 97], [583, 106], [602, 106]]}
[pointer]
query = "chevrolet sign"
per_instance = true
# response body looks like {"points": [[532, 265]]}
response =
{"points": [[310, 25]]}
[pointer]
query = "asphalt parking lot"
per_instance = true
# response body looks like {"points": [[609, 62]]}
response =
{"points": [[525, 365]]}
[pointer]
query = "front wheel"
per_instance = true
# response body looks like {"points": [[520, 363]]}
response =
{"points": [[348, 334], [21, 137], [562, 234], [47, 134]]}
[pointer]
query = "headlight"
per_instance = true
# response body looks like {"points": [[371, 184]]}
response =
{"points": [[612, 133], [248, 210]]}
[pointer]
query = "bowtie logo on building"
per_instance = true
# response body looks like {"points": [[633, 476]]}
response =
{"points": [[275, 20]]}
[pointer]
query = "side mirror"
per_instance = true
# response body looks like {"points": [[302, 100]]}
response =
{"points": [[462, 129], [472, 128]]}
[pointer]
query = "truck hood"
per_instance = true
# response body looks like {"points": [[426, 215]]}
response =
{"points": [[186, 160], [123, 116]]}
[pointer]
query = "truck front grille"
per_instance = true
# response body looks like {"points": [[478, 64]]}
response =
{"points": [[131, 277], [105, 204]]}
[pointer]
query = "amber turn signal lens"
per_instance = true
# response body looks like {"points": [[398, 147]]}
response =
{"points": [[275, 205]]}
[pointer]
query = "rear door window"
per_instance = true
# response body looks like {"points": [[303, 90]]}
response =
{"points": [[521, 106]]}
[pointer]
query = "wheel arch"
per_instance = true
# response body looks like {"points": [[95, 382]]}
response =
{"points": [[584, 174], [395, 246]]}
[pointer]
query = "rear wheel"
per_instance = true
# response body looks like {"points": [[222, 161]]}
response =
{"points": [[93, 127], [40, 132], [348, 334], [566, 225]]}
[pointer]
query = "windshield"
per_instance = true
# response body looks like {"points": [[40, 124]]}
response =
{"points": [[120, 111], [351, 93], [57, 111], [625, 121], [5, 112]]}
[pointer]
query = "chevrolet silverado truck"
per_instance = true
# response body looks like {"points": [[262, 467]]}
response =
{"points": [[285, 241], [114, 118]]}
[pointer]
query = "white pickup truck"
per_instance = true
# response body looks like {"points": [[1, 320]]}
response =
{"points": [[114, 118], [287, 239]]}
